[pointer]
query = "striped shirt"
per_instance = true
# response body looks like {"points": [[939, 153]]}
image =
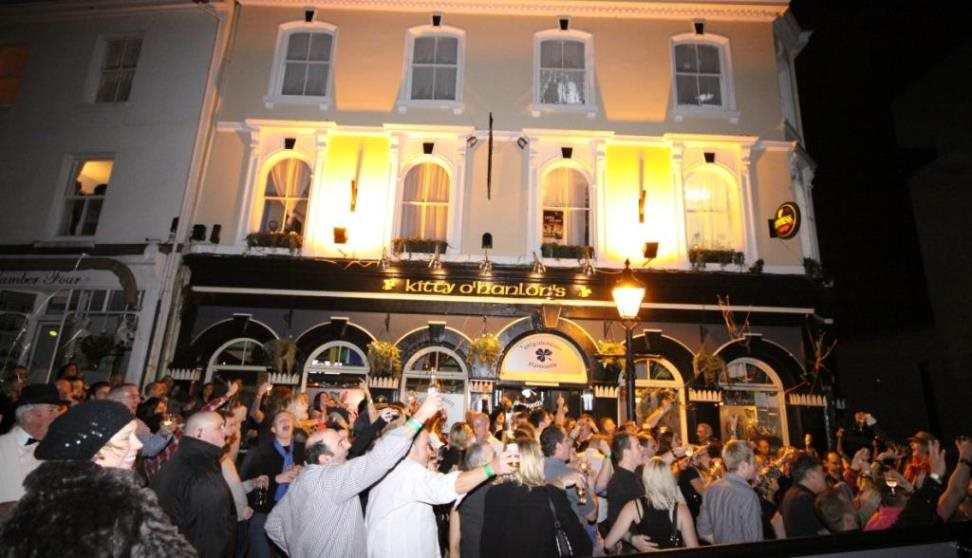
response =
{"points": [[731, 512], [321, 513]]}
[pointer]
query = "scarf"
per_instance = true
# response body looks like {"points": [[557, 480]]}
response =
{"points": [[288, 463]]}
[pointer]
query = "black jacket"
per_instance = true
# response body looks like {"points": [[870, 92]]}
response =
{"points": [[192, 491], [517, 522], [80, 509], [264, 460]]}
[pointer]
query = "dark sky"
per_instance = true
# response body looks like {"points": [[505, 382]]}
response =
{"points": [[861, 56]]}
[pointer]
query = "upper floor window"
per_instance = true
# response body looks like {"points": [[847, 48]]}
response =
{"points": [[433, 67], [425, 202], [713, 218], [302, 65], [13, 58], [118, 64], [703, 77], [564, 70], [85, 196], [285, 197], [566, 207]]}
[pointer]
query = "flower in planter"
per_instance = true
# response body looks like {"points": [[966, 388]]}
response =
{"points": [[418, 245], [385, 359], [611, 355], [290, 240], [483, 354], [566, 251]]}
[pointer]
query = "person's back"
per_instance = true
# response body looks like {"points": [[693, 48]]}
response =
{"points": [[658, 524], [730, 508], [519, 522]]}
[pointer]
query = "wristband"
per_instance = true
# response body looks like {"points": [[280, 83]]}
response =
{"points": [[966, 461], [488, 469], [414, 424]]}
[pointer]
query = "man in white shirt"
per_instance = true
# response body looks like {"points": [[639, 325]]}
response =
{"points": [[38, 406], [399, 518]]}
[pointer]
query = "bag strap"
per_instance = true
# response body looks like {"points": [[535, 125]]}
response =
{"points": [[638, 507], [553, 511]]}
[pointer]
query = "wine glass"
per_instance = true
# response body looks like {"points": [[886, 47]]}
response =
{"points": [[514, 449]]}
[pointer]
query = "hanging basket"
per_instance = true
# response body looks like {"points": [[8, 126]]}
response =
{"points": [[385, 359], [282, 354], [610, 355], [483, 354], [709, 367]]}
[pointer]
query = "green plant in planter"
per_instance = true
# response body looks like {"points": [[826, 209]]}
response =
{"points": [[290, 240], [385, 359], [566, 251], [701, 256], [282, 354], [710, 367], [611, 355], [418, 245], [484, 352], [757, 266], [813, 268]]}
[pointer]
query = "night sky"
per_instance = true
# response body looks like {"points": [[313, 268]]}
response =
{"points": [[861, 56]]}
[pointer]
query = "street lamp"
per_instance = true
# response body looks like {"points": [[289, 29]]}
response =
{"points": [[628, 293]]}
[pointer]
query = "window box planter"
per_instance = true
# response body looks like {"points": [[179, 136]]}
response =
{"points": [[418, 245], [566, 251], [290, 240], [701, 256]]}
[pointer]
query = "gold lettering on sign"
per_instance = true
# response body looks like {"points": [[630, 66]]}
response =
{"points": [[481, 288]]}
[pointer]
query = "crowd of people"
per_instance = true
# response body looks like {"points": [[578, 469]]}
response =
{"points": [[112, 469]]}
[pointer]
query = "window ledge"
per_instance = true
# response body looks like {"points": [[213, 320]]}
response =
{"points": [[457, 107], [323, 103], [67, 242], [681, 111], [91, 106], [537, 109]]}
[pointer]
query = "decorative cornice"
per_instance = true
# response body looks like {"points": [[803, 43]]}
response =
{"points": [[51, 11], [754, 10]]}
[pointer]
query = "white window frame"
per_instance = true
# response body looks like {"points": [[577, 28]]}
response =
{"points": [[677, 383], [259, 207], [776, 387], [405, 100], [96, 69], [592, 205], [212, 365], [74, 166], [274, 95], [567, 209], [737, 212], [452, 227], [728, 107], [589, 107], [334, 370]]}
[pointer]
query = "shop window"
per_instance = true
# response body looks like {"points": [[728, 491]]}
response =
{"points": [[242, 358], [85, 196], [13, 59], [564, 70], [434, 66], [754, 394], [442, 366], [713, 219], [566, 207], [425, 203], [335, 365], [655, 380], [285, 197], [303, 64], [118, 62]]}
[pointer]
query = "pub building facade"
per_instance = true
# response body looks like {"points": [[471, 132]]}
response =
{"points": [[432, 174]]}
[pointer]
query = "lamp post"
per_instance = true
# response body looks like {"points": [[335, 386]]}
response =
{"points": [[628, 293]]}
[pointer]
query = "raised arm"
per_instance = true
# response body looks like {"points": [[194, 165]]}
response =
{"points": [[958, 483]]}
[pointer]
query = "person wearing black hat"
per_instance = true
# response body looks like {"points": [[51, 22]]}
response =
{"points": [[38, 406], [85, 499]]}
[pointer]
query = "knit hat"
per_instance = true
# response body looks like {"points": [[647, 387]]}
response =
{"points": [[79, 433]]}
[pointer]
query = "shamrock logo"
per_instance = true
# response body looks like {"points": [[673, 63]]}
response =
{"points": [[543, 354]]}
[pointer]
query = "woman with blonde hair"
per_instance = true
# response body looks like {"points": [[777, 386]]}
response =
{"points": [[657, 514], [524, 516]]}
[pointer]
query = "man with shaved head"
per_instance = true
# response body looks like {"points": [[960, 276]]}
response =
{"points": [[192, 491], [321, 514], [480, 425]]}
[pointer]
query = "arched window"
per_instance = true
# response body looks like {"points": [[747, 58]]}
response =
{"points": [[566, 207], [285, 197], [712, 213], [702, 80], [241, 358], [447, 368], [302, 65], [754, 393], [335, 364], [656, 378], [564, 70], [425, 202]]}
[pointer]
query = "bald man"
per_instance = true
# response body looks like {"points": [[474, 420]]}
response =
{"points": [[480, 425], [321, 514], [192, 491]]}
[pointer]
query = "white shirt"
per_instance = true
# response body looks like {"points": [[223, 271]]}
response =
{"points": [[16, 462], [399, 520]]}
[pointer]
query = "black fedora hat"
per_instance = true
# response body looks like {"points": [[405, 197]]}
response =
{"points": [[40, 394]]}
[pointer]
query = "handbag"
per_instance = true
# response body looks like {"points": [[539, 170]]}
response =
{"points": [[564, 550]]}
